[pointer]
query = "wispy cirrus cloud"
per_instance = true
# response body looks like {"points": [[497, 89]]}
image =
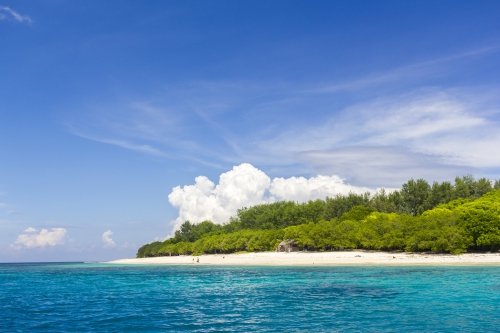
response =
{"points": [[8, 13], [411, 119], [120, 143], [304, 128], [375, 166], [412, 72], [427, 134], [175, 131], [143, 148]]}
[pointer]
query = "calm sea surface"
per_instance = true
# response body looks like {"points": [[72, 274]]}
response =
{"points": [[112, 298]]}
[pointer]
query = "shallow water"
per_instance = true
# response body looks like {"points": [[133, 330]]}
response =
{"points": [[118, 298]]}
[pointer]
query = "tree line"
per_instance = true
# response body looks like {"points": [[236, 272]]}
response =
{"points": [[442, 217]]}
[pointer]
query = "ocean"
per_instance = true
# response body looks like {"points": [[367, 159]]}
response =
{"points": [[83, 297]]}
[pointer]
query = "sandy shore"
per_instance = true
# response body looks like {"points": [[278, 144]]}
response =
{"points": [[322, 258]]}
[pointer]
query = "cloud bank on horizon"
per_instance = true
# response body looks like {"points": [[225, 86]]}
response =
{"points": [[246, 186]]}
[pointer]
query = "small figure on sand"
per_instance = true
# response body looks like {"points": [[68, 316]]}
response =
{"points": [[198, 260]]}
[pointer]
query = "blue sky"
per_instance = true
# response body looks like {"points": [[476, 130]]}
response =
{"points": [[110, 110]]}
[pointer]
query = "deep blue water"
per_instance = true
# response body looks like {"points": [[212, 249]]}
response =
{"points": [[112, 298]]}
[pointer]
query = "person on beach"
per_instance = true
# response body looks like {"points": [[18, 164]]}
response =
{"points": [[198, 260]]}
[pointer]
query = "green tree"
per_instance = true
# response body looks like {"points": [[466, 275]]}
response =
{"points": [[341, 204], [357, 213], [382, 202], [190, 232], [439, 193], [414, 195], [481, 220], [462, 188], [481, 187]]}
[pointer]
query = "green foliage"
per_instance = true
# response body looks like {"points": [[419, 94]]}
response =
{"points": [[191, 232], [243, 240], [454, 203], [467, 187], [280, 214], [437, 231], [340, 204], [481, 220], [149, 250], [357, 213], [385, 203], [443, 217], [439, 194], [414, 197], [481, 187]]}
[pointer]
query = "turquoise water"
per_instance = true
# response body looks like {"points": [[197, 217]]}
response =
{"points": [[99, 297]]}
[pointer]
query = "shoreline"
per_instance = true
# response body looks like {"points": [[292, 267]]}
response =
{"points": [[337, 258]]}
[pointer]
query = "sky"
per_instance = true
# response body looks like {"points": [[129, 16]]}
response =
{"points": [[121, 120]]}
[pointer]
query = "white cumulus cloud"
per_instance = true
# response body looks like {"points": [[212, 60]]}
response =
{"points": [[246, 186], [32, 238], [106, 238], [302, 189]]}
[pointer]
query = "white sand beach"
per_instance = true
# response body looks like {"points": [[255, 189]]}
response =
{"points": [[321, 258]]}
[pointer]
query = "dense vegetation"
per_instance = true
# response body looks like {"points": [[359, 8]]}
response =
{"points": [[442, 217]]}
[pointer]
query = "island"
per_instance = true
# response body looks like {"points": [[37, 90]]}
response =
{"points": [[442, 223]]}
